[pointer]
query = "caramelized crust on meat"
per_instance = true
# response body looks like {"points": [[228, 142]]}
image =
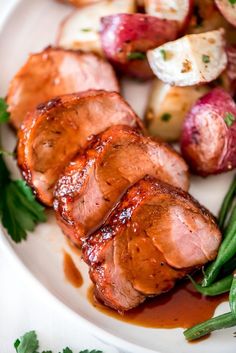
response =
{"points": [[155, 236], [93, 183], [54, 72], [56, 131]]}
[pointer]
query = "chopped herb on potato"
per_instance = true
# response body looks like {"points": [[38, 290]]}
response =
{"points": [[166, 117], [86, 29], [232, 2], [136, 55], [205, 58], [163, 53], [229, 119]]}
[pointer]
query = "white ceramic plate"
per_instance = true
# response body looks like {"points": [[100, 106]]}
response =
{"points": [[30, 26]]}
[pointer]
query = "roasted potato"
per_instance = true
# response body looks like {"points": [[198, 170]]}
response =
{"points": [[177, 10], [208, 140], [228, 10], [231, 69], [206, 17], [168, 106], [80, 30], [190, 60], [127, 37]]}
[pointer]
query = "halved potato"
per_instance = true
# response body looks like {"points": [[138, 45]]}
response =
{"points": [[206, 17], [127, 37], [190, 60], [177, 10], [231, 69], [81, 29], [168, 106], [209, 134], [228, 10]]}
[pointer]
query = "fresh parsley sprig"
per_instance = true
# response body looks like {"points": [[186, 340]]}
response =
{"points": [[29, 343], [19, 211], [4, 115]]}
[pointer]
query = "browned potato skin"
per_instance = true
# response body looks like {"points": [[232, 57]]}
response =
{"points": [[53, 134], [54, 72]]}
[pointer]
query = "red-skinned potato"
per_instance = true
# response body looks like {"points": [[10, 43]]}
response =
{"points": [[190, 60], [175, 10], [208, 140], [227, 80], [228, 10], [80, 30], [127, 37], [231, 69], [168, 106]]}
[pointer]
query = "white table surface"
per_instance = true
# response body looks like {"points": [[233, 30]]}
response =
{"points": [[24, 308]]}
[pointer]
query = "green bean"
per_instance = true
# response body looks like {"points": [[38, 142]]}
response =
{"points": [[219, 287], [227, 203], [232, 296], [227, 250], [228, 267], [206, 327]]}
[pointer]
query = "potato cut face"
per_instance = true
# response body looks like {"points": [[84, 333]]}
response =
{"points": [[81, 29], [190, 60], [168, 106], [176, 10]]}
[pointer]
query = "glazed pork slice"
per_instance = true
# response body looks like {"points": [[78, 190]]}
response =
{"points": [[154, 237], [56, 131], [93, 182], [54, 72]]}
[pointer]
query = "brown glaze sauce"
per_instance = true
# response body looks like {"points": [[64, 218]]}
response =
{"points": [[182, 307], [71, 272], [76, 250]]}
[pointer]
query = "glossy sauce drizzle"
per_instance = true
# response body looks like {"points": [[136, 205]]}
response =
{"points": [[71, 272], [181, 307]]}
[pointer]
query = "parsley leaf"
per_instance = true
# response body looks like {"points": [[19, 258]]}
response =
{"points": [[136, 55], [86, 29], [205, 58], [20, 212], [229, 119], [4, 115], [67, 350], [232, 2], [28, 343], [166, 117]]}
